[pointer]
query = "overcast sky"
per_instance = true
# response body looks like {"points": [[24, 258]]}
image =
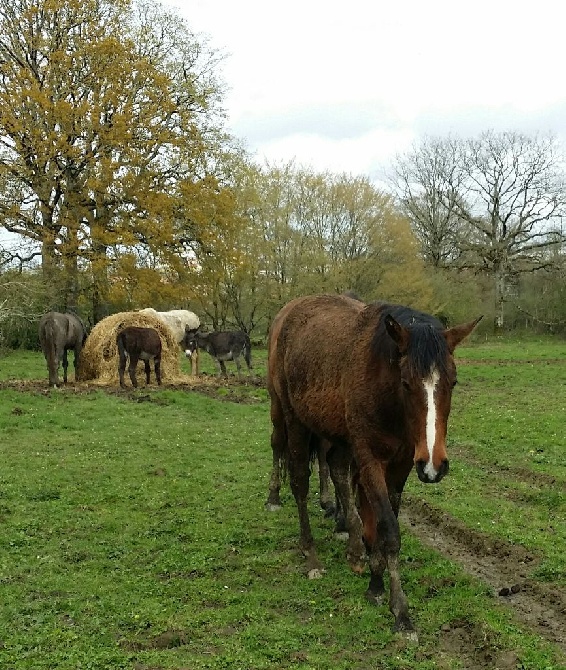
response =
{"points": [[344, 86]]}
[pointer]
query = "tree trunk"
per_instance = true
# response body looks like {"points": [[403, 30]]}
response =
{"points": [[498, 324]]}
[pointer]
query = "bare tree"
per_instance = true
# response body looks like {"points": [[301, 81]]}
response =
{"points": [[427, 185], [502, 195]]}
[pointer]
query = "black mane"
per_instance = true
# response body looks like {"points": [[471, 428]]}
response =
{"points": [[427, 345]]}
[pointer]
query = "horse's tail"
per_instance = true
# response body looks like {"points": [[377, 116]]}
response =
{"points": [[120, 343], [48, 339], [281, 451]]}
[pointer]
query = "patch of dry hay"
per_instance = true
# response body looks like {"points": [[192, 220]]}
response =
{"points": [[99, 357]]}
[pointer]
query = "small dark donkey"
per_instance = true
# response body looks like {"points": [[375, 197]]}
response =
{"points": [[138, 343], [223, 346], [58, 333]]}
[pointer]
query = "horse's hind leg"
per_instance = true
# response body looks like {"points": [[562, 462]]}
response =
{"points": [[122, 366], [299, 472], [326, 500], [147, 369], [278, 447], [339, 461], [157, 365], [132, 370]]}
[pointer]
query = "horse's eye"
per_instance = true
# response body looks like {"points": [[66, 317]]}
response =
{"points": [[454, 383], [406, 384]]}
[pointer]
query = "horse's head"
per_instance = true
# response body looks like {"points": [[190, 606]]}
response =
{"points": [[427, 377], [190, 341]]}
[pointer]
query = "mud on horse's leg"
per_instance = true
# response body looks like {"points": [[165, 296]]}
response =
{"points": [[326, 500], [385, 544], [299, 473], [132, 370], [339, 461], [278, 446]]}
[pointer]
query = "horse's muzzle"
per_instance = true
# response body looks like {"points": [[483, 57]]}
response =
{"points": [[428, 475]]}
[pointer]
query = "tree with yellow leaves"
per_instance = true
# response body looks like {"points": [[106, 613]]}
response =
{"points": [[109, 112]]}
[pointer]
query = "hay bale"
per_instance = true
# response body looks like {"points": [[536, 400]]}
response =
{"points": [[99, 357]]}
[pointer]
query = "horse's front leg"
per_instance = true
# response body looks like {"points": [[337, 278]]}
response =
{"points": [[382, 535], [157, 365], [195, 363], [65, 365], [238, 366]]}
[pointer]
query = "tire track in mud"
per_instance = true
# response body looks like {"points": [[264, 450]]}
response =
{"points": [[503, 566]]}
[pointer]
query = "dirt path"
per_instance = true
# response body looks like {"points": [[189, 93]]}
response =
{"points": [[502, 566]]}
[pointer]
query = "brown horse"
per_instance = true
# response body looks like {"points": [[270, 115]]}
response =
{"points": [[138, 343], [58, 333], [375, 382]]}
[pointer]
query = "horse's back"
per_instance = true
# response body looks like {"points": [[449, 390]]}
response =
{"points": [[137, 339], [323, 326], [310, 343], [61, 329]]}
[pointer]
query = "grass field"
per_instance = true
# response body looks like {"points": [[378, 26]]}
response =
{"points": [[133, 531]]}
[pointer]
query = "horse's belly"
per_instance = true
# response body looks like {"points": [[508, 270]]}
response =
{"points": [[228, 356], [322, 413], [145, 356]]}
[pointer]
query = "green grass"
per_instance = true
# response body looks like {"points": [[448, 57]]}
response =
{"points": [[133, 533]]}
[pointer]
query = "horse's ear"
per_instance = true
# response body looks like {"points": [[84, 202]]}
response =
{"points": [[398, 333], [456, 334]]}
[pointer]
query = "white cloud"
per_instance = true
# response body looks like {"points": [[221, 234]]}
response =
{"points": [[351, 83]]}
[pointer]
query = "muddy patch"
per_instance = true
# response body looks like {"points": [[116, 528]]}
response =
{"points": [[230, 389], [504, 567]]}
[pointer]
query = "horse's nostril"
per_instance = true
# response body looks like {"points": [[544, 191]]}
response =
{"points": [[428, 474], [420, 467]]}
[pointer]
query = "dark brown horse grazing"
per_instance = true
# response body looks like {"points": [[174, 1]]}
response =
{"points": [[376, 382], [137, 343], [57, 334]]}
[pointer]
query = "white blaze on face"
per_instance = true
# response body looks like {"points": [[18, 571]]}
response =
{"points": [[429, 388]]}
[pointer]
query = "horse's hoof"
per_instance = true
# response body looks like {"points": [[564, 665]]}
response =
{"points": [[329, 510], [342, 536], [404, 628], [357, 567], [271, 507], [315, 573], [374, 598], [409, 635]]}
